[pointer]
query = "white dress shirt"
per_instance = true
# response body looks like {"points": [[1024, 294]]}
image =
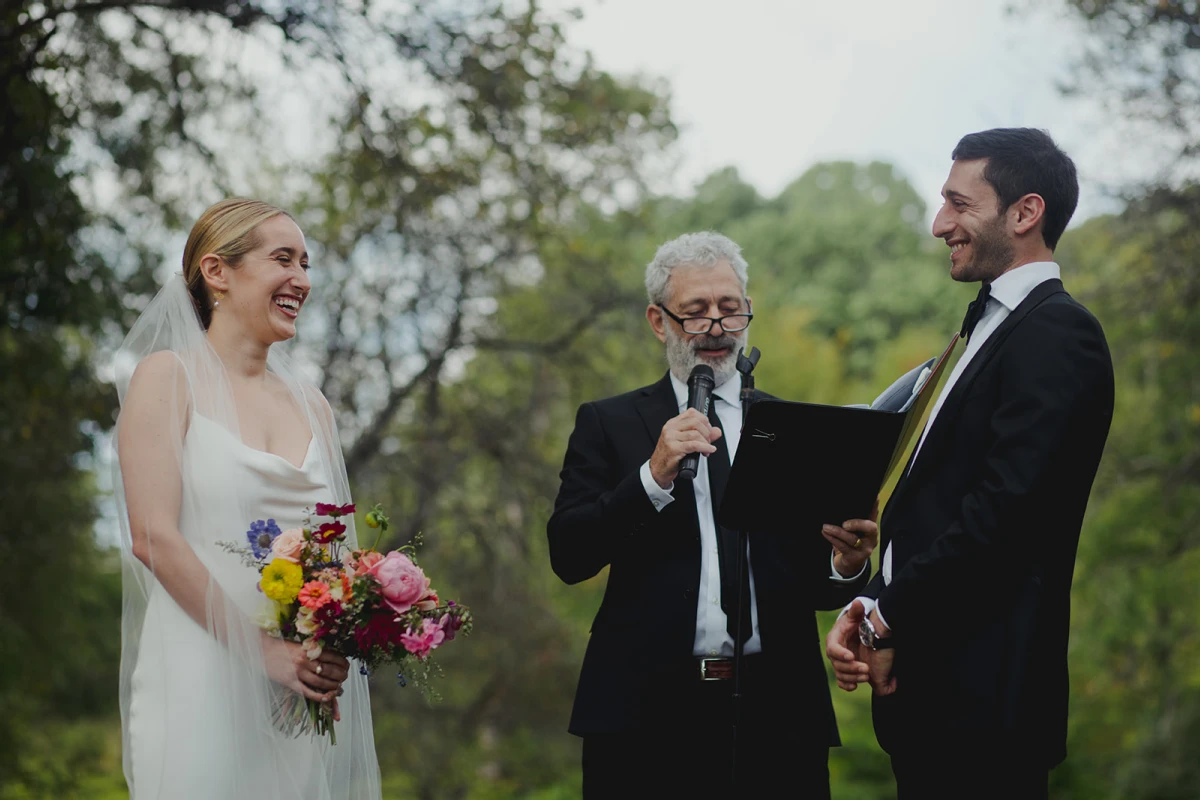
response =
{"points": [[1008, 291], [712, 638]]}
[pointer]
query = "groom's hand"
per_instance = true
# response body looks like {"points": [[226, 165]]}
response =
{"points": [[690, 432], [844, 649]]}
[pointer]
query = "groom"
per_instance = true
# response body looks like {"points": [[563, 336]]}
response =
{"points": [[654, 699], [965, 636]]}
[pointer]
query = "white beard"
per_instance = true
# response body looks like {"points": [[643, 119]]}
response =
{"points": [[682, 357]]}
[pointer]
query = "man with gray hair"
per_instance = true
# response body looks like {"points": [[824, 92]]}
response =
{"points": [[653, 703]]}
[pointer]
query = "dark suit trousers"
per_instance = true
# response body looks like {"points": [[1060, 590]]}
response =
{"points": [[979, 776], [687, 753]]}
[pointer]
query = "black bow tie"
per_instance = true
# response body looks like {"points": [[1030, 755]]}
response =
{"points": [[975, 310]]}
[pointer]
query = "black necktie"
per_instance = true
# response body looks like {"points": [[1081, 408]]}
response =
{"points": [[727, 540], [975, 310]]}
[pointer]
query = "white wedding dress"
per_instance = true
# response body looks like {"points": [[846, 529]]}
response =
{"points": [[198, 711], [196, 726]]}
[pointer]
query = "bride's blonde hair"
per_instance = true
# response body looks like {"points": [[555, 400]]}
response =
{"points": [[226, 229]]}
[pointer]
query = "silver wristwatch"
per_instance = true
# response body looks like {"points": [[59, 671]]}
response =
{"points": [[871, 638]]}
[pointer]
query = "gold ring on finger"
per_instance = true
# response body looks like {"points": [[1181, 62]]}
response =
{"points": [[857, 542]]}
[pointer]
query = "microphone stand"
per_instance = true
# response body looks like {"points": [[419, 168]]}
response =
{"points": [[745, 365]]}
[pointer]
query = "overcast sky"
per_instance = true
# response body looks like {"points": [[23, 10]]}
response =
{"points": [[774, 86]]}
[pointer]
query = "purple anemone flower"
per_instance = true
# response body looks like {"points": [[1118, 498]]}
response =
{"points": [[261, 536]]}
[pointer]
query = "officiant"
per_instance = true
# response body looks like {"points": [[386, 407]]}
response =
{"points": [[653, 704]]}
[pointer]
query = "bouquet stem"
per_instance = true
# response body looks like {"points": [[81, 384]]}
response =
{"points": [[321, 715]]}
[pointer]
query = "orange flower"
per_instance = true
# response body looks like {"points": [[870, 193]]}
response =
{"points": [[314, 595]]}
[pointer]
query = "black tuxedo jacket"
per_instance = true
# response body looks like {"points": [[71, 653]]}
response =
{"points": [[984, 528], [644, 632]]}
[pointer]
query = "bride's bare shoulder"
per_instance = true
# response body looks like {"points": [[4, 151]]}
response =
{"points": [[157, 373], [159, 393]]}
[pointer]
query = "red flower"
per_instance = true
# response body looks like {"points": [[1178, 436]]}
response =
{"points": [[331, 510], [328, 532], [381, 630], [327, 615]]}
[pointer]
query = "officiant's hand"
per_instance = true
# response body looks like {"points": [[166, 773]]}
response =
{"points": [[690, 432], [318, 680], [853, 542]]}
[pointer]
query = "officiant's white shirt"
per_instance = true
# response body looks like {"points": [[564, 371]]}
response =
{"points": [[712, 638], [1008, 292]]}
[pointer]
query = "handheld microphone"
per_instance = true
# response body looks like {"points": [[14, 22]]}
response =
{"points": [[701, 384]]}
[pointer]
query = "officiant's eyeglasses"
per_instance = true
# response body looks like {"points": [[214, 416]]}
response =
{"points": [[695, 326]]}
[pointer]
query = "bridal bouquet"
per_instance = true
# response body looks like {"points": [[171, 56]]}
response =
{"points": [[373, 607]]}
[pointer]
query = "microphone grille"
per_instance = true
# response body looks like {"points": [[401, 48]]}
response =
{"points": [[702, 371]]}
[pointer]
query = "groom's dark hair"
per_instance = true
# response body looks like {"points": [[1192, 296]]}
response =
{"points": [[1023, 161]]}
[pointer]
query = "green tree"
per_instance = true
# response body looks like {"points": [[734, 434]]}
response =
{"points": [[1141, 61], [56, 294], [1136, 722]]}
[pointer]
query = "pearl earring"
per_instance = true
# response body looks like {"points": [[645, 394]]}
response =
{"points": [[217, 298]]}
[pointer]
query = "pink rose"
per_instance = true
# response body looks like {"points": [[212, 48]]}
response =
{"points": [[288, 544], [419, 644], [360, 562], [401, 581]]}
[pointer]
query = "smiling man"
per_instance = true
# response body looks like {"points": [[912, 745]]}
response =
{"points": [[653, 703], [965, 635]]}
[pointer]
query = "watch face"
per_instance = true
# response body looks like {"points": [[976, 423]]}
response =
{"points": [[866, 633]]}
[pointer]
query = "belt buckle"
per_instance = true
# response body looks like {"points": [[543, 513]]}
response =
{"points": [[704, 662]]}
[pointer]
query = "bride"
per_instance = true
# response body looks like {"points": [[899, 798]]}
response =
{"points": [[216, 431]]}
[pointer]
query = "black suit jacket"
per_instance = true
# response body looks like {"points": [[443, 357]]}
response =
{"points": [[644, 631], [984, 529]]}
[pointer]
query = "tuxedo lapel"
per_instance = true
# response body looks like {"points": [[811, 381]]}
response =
{"points": [[657, 406], [949, 410]]}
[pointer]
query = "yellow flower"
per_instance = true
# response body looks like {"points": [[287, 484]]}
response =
{"points": [[281, 580]]}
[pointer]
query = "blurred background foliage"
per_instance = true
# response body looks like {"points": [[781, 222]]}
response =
{"points": [[476, 196]]}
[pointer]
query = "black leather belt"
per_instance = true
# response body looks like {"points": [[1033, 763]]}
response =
{"points": [[721, 669]]}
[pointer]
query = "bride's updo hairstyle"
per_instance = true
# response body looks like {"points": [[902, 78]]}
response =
{"points": [[226, 229]]}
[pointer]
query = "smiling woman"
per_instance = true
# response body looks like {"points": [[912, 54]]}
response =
{"points": [[216, 431], [227, 230], [263, 239]]}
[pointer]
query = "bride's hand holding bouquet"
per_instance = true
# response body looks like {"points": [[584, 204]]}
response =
{"points": [[330, 603]]}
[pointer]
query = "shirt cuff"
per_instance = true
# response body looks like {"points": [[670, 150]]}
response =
{"points": [[882, 619], [837, 576], [659, 497]]}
